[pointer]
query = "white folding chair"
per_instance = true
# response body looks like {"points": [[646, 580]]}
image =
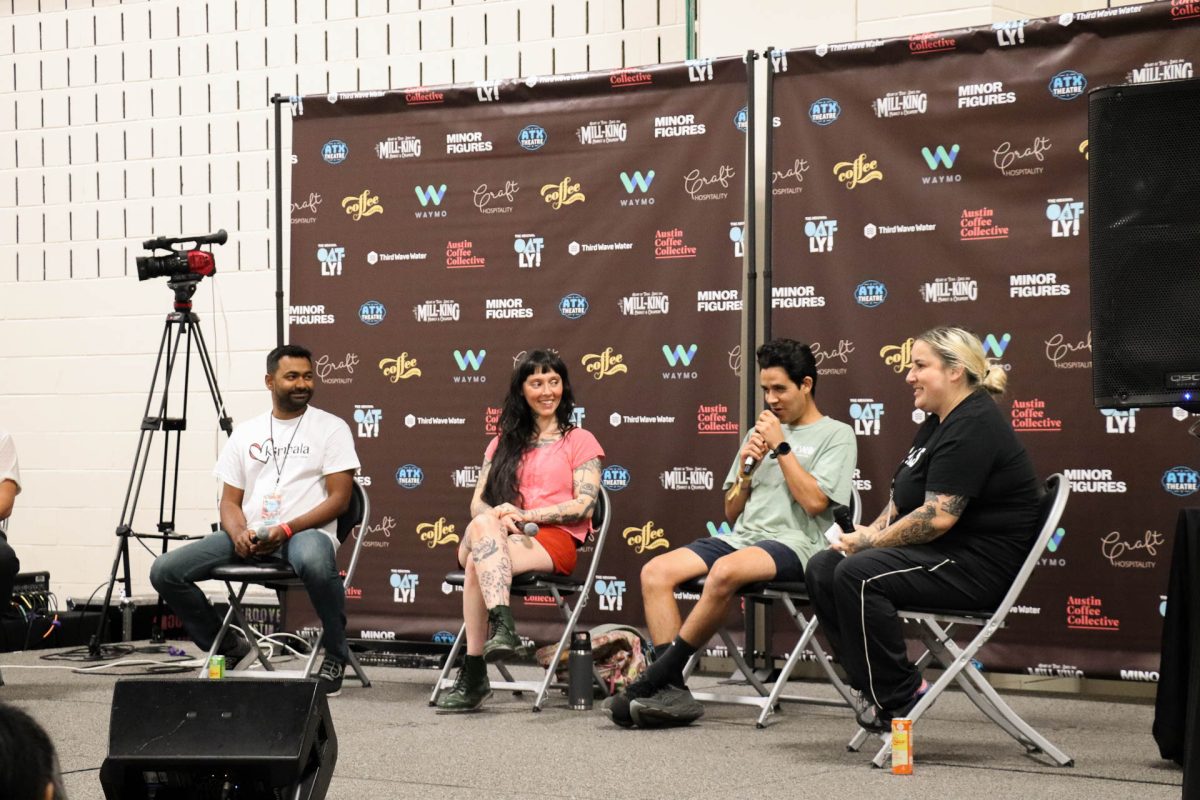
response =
{"points": [[278, 574], [936, 627], [559, 587], [792, 595]]}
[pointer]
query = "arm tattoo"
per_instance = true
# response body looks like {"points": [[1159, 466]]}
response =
{"points": [[952, 504], [478, 506], [917, 527], [586, 488]]}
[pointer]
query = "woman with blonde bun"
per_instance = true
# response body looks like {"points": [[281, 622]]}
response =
{"points": [[959, 522]]}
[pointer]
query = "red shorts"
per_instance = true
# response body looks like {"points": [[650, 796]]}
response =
{"points": [[561, 547]]}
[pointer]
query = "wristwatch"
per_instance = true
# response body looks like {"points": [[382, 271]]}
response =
{"points": [[783, 449]]}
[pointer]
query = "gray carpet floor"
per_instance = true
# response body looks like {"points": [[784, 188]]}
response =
{"points": [[392, 745]]}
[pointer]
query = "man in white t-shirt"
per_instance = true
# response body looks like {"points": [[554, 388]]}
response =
{"points": [[288, 475], [10, 487]]}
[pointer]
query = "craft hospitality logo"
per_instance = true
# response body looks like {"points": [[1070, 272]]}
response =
{"points": [[495, 201], [1015, 160]]}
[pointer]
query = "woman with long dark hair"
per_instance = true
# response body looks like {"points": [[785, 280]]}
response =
{"points": [[539, 469], [28, 763]]}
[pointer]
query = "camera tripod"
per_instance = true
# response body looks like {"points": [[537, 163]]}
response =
{"points": [[181, 325]]}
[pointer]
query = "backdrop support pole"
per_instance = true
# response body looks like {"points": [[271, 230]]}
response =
{"points": [[750, 253], [278, 100]]}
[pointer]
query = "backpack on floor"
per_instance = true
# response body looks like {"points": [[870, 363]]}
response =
{"points": [[618, 651]]}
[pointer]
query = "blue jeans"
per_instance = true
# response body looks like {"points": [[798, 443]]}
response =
{"points": [[311, 554]]}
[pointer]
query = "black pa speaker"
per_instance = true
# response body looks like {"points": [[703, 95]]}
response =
{"points": [[1144, 244], [239, 739]]}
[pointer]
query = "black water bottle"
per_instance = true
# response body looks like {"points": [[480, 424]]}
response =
{"points": [[579, 672]]}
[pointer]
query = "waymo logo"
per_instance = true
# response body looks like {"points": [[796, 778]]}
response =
{"points": [[996, 346], [940, 156], [1055, 540], [638, 181], [469, 358], [679, 355], [718, 530], [428, 193]]}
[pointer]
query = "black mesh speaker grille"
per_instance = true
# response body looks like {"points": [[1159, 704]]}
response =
{"points": [[1143, 186]]}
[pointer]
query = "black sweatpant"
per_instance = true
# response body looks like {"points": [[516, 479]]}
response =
{"points": [[856, 598]]}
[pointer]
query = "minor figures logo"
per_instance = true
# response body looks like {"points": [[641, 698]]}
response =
{"points": [[647, 537]]}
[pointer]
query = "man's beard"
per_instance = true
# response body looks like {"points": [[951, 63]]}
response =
{"points": [[289, 402]]}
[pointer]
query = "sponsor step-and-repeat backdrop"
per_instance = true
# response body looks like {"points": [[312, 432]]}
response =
{"points": [[440, 233], [942, 179]]}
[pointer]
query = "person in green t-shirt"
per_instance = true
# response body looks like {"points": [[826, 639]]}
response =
{"points": [[791, 468]]}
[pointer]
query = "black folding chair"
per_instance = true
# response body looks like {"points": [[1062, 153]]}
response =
{"points": [[278, 574], [559, 587], [936, 627], [793, 595]]}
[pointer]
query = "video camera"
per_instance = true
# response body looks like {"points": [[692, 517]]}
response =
{"points": [[180, 262]]}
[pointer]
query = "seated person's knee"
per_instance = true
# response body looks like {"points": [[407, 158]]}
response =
{"points": [[721, 579]]}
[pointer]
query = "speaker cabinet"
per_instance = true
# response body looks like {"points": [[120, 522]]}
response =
{"points": [[1143, 185], [236, 739]]}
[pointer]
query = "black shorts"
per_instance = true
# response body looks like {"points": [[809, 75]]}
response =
{"points": [[787, 564]]}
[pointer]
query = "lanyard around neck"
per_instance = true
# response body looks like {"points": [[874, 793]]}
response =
{"points": [[287, 451]]}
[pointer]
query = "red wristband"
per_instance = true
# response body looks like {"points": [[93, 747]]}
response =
{"points": [[286, 529]]}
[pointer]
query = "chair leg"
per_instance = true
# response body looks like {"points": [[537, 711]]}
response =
{"points": [[358, 670], [443, 679]]}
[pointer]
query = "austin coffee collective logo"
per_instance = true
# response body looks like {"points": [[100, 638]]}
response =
{"points": [[1087, 613]]}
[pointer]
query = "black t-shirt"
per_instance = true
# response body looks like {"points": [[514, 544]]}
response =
{"points": [[974, 454]]}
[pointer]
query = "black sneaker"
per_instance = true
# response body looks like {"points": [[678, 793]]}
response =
{"points": [[881, 722], [669, 707], [330, 676], [236, 650], [617, 706]]}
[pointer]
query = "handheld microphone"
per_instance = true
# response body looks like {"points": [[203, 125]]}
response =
{"points": [[261, 531], [841, 515], [748, 465], [531, 529]]}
